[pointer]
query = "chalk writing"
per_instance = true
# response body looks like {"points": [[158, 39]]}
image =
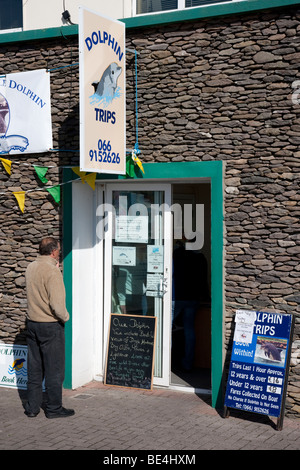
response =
{"points": [[130, 351]]}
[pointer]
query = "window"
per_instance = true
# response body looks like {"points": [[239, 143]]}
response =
{"points": [[197, 3], [11, 14], [151, 6]]}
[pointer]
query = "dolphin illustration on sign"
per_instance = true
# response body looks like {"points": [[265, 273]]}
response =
{"points": [[107, 89], [18, 367]]}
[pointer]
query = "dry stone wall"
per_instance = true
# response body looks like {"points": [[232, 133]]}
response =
{"points": [[225, 89], [20, 233], [217, 89]]}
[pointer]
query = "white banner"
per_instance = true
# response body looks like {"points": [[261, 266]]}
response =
{"points": [[102, 93], [25, 112]]}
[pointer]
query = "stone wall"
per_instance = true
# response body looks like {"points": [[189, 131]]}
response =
{"points": [[20, 234], [222, 89], [218, 89]]}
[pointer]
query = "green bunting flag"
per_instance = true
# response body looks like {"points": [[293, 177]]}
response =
{"points": [[55, 193], [133, 166], [41, 171], [130, 170]]}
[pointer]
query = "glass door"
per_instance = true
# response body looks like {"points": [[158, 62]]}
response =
{"points": [[137, 271]]}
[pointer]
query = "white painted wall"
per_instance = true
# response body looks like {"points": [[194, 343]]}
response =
{"points": [[40, 14], [87, 311]]}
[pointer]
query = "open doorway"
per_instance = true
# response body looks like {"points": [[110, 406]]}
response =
{"points": [[191, 316]]}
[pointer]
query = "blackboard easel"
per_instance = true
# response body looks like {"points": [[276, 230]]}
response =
{"points": [[130, 351]]}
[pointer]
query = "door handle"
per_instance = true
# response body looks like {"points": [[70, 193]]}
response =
{"points": [[163, 285]]}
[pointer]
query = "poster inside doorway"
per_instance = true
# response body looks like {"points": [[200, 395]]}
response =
{"points": [[258, 366]]}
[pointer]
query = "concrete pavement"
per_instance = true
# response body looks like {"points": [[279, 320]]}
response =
{"points": [[124, 419]]}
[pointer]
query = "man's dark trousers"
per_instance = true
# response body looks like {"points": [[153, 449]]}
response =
{"points": [[45, 359]]}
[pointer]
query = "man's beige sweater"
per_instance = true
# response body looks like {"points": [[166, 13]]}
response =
{"points": [[46, 297]]}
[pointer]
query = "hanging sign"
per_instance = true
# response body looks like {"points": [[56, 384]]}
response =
{"points": [[102, 93], [259, 363], [25, 112]]}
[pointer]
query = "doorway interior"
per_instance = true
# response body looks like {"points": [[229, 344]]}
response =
{"points": [[194, 200], [135, 234], [84, 275]]}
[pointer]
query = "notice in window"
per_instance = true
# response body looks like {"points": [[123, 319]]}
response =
{"points": [[132, 229]]}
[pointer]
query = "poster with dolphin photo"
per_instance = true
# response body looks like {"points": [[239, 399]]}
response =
{"points": [[259, 362], [102, 93]]}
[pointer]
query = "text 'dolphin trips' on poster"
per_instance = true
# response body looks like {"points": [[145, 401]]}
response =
{"points": [[259, 362]]}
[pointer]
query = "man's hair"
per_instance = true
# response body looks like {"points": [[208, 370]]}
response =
{"points": [[47, 245]]}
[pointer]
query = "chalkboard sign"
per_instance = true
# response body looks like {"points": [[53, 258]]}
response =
{"points": [[130, 352], [258, 372]]}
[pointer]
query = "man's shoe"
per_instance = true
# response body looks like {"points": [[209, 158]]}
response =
{"points": [[62, 413], [30, 414]]}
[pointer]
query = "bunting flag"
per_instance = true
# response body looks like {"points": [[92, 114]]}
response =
{"points": [[41, 171], [6, 164], [130, 167], [138, 162], [55, 193], [20, 197], [90, 179], [131, 161], [79, 173]]}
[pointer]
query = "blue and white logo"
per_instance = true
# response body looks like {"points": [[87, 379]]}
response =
{"points": [[9, 142], [25, 112]]}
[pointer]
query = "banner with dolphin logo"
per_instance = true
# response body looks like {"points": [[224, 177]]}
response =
{"points": [[13, 366], [102, 93], [25, 112]]}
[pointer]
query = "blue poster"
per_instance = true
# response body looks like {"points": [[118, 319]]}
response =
{"points": [[259, 357]]}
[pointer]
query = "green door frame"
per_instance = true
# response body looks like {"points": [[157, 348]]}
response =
{"points": [[167, 171]]}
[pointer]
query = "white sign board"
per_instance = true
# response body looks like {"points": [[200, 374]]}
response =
{"points": [[102, 93]]}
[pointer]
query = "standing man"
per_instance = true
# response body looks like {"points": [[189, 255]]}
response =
{"points": [[46, 317]]}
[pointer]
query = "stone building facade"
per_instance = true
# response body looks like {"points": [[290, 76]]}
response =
{"points": [[222, 88]]}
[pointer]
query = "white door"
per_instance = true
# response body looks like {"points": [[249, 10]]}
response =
{"points": [[137, 269]]}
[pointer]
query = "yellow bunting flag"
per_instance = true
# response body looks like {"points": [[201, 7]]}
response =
{"points": [[90, 179], [137, 161], [6, 164], [20, 197]]}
